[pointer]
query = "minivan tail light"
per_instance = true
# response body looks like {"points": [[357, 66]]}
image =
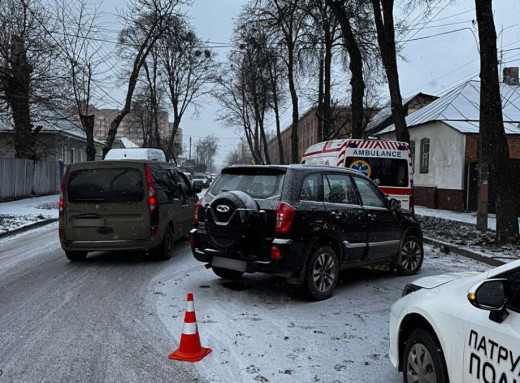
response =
{"points": [[196, 211], [284, 217], [61, 203], [152, 199]]}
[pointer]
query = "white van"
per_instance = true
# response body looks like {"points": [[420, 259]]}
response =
{"points": [[387, 162], [136, 154]]}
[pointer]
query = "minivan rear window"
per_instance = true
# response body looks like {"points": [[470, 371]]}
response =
{"points": [[259, 186], [106, 185]]}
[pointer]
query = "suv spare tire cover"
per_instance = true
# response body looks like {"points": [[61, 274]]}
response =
{"points": [[233, 220]]}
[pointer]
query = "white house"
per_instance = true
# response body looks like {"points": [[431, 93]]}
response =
{"points": [[444, 143]]}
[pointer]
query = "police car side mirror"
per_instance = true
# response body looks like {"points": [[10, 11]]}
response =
{"points": [[491, 295]]}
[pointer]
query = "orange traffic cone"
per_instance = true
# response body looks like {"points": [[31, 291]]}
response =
{"points": [[190, 349]]}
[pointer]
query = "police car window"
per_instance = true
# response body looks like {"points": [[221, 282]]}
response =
{"points": [[370, 194], [310, 188], [338, 188]]}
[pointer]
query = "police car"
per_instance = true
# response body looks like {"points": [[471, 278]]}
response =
{"points": [[459, 328]]}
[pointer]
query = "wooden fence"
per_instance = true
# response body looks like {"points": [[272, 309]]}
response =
{"points": [[20, 178]]}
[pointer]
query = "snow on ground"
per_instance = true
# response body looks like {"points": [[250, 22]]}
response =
{"points": [[262, 330], [23, 212]]}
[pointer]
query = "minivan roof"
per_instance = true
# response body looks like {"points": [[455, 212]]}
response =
{"points": [[136, 154]]}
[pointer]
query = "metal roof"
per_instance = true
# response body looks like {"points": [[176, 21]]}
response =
{"points": [[459, 108]]}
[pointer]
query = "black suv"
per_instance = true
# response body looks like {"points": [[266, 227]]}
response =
{"points": [[302, 222]]}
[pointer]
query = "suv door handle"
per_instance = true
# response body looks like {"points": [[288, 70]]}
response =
{"points": [[371, 216], [335, 214]]}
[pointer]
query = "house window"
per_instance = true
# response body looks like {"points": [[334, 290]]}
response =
{"points": [[412, 154], [425, 154]]}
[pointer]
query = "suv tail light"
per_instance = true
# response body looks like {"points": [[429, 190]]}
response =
{"points": [[61, 204], [152, 195], [284, 217], [196, 211]]}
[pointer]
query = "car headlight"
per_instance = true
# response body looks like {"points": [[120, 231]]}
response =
{"points": [[410, 288]]}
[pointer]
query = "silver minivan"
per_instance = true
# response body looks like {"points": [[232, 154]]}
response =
{"points": [[124, 205]]}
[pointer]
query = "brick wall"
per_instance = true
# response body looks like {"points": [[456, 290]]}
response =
{"points": [[472, 147]]}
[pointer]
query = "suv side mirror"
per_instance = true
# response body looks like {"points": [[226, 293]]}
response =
{"points": [[490, 295], [197, 188], [394, 204]]}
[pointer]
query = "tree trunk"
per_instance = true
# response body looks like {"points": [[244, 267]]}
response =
{"points": [[295, 112], [384, 18], [327, 86], [319, 111], [88, 126], [17, 95], [493, 147], [356, 67]]}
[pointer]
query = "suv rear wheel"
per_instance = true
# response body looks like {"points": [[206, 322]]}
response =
{"points": [[322, 273], [226, 273], [76, 256], [410, 256]]}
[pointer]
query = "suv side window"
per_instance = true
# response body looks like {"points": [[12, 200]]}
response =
{"points": [[310, 188], [370, 194], [338, 188]]}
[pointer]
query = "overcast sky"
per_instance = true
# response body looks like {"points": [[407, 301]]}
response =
{"points": [[439, 52]]}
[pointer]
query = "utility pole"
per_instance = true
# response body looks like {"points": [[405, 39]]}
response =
{"points": [[190, 150]]}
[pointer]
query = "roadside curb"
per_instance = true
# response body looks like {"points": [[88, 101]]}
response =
{"points": [[464, 252], [28, 227]]}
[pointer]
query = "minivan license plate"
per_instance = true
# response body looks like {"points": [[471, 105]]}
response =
{"points": [[226, 263]]}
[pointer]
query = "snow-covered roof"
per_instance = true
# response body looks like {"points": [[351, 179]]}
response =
{"points": [[127, 143], [386, 112], [65, 127], [459, 108]]}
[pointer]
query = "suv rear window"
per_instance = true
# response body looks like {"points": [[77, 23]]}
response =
{"points": [[258, 186], [105, 185]]}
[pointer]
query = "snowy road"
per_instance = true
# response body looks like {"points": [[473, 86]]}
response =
{"points": [[116, 319]]}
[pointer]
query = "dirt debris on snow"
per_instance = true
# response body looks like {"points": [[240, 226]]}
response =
{"points": [[466, 235]]}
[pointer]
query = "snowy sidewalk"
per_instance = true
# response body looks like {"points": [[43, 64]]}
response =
{"points": [[455, 216], [16, 216]]}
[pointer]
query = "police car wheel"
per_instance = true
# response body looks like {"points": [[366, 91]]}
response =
{"points": [[226, 273], [322, 273], [423, 360], [410, 257]]}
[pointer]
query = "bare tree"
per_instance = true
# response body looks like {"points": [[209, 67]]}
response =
{"points": [[206, 150], [285, 21], [494, 159], [188, 68], [77, 26], [384, 20], [346, 12], [146, 21], [28, 73], [236, 109]]}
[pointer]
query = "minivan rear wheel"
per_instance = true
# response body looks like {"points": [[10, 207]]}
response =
{"points": [[165, 250], [322, 273], [76, 256]]}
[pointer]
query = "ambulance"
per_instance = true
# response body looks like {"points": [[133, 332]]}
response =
{"points": [[388, 163]]}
